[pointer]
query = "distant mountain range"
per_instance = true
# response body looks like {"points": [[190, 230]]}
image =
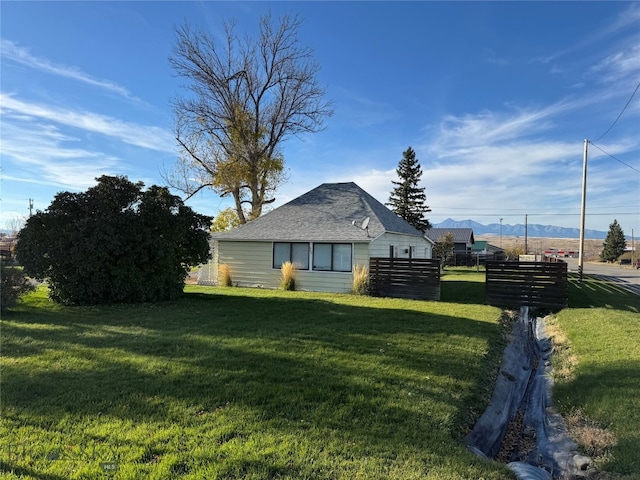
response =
{"points": [[533, 230]]}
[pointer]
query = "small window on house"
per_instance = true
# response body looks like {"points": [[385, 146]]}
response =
{"points": [[341, 257], [300, 255], [294, 252], [335, 257], [322, 256], [281, 254]]}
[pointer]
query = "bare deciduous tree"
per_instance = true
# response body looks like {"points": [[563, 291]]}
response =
{"points": [[15, 224], [246, 97]]}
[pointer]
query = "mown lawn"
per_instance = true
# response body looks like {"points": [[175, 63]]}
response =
{"points": [[602, 324], [245, 383]]}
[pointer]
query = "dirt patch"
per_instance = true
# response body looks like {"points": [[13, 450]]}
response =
{"points": [[518, 441], [564, 360], [596, 441]]}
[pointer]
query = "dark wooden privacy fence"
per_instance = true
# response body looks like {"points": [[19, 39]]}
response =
{"points": [[417, 278], [534, 284]]}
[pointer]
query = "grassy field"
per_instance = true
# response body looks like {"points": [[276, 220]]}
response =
{"points": [[600, 388], [538, 245], [245, 383]]}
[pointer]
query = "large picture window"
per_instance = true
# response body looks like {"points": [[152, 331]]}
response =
{"points": [[333, 257], [294, 252]]}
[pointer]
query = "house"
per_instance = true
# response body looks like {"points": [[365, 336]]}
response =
{"points": [[326, 232], [462, 239], [484, 251]]}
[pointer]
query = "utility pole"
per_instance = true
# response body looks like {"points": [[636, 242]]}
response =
{"points": [[526, 228], [30, 206], [582, 210], [633, 250]]}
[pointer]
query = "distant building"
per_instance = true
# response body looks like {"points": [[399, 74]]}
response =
{"points": [[482, 250], [462, 243]]}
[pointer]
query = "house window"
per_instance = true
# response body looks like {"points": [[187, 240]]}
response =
{"points": [[333, 257], [294, 252]]}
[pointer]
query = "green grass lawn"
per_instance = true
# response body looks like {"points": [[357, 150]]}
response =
{"points": [[246, 383], [603, 327]]}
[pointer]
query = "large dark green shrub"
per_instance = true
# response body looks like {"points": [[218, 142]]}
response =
{"points": [[13, 284], [114, 243]]}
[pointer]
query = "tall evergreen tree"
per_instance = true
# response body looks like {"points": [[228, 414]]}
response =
{"points": [[614, 244], [408, 200]]}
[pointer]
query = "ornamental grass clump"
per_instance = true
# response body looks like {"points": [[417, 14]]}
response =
{"points": [[360, 280], [224, 275], [288, 279]]}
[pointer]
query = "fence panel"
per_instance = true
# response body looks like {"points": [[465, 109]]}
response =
{"points": [[533, 284], [416, 278]]}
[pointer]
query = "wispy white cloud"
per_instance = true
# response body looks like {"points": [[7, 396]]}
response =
{"points": [[619, 66], [623, 21], [356, 109], [21, 55], [460, 134], [505, 163], [492, 58], [52, 158], [150, 137], [45, 149]]}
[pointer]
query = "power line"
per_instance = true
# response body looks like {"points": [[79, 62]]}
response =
{"points": [[618, 117], [617, 159], [531, 210], [521, 210], [550, 214]]}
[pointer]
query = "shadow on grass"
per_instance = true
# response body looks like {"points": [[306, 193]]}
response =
{"points": [[289, 364], [463, 286], [7, 467], [597, 293], [461, 291]]}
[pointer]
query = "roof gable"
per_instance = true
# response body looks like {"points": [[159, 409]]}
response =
{"points": [[460, 235], [332, 212]]}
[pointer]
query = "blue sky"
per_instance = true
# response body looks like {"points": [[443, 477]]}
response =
{"points": [[496, 99]]}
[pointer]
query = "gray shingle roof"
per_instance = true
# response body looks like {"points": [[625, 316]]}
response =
{"points": [[460, 235], [324, 214]]}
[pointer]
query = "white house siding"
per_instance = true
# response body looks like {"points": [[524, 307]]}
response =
{"points": [[421, 246], [250, 263], [251, 266], [341, 282]]}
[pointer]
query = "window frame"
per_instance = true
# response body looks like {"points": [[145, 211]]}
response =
{"points": [[332, 257], [290, 256]]}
